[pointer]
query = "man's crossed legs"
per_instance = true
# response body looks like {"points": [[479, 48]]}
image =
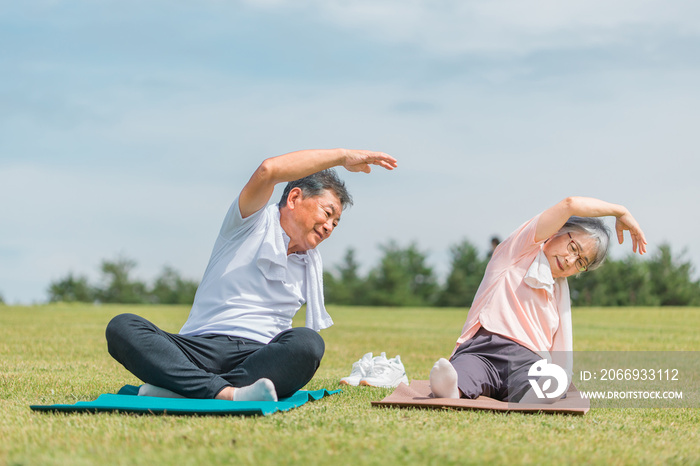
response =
{"points": [[208, 366]]}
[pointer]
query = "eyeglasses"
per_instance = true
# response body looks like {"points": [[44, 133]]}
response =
{"points": [[574, 249]]}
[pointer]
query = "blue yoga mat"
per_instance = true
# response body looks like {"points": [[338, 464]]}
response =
{"points": [[128, 401]]}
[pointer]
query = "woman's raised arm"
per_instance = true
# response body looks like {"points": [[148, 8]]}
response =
{"points": [[552, 219]]}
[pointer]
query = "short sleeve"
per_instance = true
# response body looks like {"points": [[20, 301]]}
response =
{"points": [[521, 242], [234, 224]]}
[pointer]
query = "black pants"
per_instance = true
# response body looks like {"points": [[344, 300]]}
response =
{"points": [[494, 366], [201, 366]]}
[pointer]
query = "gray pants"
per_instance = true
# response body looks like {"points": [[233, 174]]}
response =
{"points": [[494, 366], [202, 366]]}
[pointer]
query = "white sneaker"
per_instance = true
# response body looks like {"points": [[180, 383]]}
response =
{"points": [[386, 373], [360, 369]]}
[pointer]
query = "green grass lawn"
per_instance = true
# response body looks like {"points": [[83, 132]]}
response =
{"points": [[57, 354]]}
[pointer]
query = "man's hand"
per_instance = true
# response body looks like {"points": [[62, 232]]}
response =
{"points": [[361, 160], [295, 165]]}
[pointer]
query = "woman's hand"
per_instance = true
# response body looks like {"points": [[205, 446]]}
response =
{"points": [[552, 219], [360, 160], [627, 222]]}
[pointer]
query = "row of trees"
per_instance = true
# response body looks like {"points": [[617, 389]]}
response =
{"points": [[118, 286], [403, 277], [661, 280]]}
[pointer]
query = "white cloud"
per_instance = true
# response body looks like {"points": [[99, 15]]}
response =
{"points": [[502, 26], [143, 158]]}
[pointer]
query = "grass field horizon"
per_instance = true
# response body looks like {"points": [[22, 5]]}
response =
{"points": [[56, 353]]}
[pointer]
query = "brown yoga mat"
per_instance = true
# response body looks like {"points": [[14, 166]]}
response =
{"points": [[418, 395]]}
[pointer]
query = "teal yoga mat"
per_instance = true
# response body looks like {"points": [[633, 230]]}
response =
{"points": [[128, 401]]}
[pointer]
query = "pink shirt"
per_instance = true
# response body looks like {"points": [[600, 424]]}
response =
{"points": [[528, 314]]}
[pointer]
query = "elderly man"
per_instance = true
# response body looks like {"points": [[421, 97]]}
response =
{"points": [[238, 342]]}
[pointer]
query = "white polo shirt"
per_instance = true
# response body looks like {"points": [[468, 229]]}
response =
{"points": [[251, 288]]}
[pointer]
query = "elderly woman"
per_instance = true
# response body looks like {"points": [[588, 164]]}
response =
{"points": [[521, 311]]}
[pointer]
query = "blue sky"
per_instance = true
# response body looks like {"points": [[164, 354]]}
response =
{"points": [[129, 127]]}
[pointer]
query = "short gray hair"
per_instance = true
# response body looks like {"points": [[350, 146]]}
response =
{"points": [[596, 229], [316, 183]]}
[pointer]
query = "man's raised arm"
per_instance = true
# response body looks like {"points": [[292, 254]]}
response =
{"points": [[295, 165]]}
